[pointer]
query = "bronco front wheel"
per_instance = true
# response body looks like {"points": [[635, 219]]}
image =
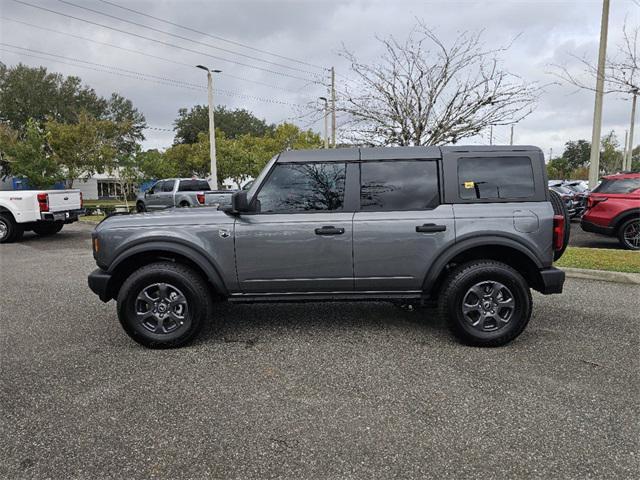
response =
{"points": [[163, 305]]}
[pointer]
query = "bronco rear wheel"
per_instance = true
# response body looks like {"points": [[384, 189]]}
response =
{"points": [[486, 303], [164, 305]]}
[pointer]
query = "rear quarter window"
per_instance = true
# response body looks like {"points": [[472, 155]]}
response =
{"points": [[618, 185], [495, 177]]}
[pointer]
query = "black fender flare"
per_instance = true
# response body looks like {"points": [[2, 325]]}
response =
{"points": [[492, 239], [201, 259], [619, 219]]}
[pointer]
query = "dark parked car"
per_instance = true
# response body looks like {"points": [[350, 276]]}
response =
{"points": [[568, 197], [469, 227]]}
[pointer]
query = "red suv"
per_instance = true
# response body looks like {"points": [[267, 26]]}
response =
{"points": [[613, 208]]}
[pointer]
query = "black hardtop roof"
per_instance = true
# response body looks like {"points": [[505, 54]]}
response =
{"points": [[392, 153]]}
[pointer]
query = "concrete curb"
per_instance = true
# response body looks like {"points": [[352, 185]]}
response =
{"points": [[603, 275]]}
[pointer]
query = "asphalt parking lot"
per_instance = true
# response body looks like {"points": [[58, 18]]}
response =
{"points": [[580, 238], [308, 390]]}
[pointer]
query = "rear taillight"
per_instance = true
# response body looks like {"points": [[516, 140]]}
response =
{"points": [[43, 202], [558, 232], [81, 200], [200, 197], [593, 201]]}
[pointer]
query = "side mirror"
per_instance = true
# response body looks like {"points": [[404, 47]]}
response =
{"points": [[239, 203], [148, 192]]}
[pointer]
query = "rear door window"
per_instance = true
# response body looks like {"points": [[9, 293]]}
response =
{"points": [[168, 185], [495, 177], [398, 185]]}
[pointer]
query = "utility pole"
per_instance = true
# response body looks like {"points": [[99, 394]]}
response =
{"points": [[624, 151], [212, 128], [594, 162], [550, 153], [491, 135], [326, 121], [634, 92], [333, 107], [511, 140]]}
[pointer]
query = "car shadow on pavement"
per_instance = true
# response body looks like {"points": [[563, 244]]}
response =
{"points": [[248, 323]]}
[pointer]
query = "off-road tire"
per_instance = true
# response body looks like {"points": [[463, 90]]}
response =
{"points": [[559, 208], [631, 223], [188, 281], [48, 228], [13, 230], [456, 287]]}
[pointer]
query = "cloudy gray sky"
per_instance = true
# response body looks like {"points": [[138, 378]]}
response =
{"points": [[311, 32]]}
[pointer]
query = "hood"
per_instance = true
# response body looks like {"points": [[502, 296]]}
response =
{"points": [[169, 217]]}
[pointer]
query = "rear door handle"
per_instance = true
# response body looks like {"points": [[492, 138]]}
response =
{"points": [[329, 230], [430, 228]]}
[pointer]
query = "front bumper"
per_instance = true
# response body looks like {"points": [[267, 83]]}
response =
{"points": [[588, 226], [552, 280], [99, 284]]}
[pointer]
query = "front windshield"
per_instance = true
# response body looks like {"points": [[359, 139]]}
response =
{"points": [[258, 181]]}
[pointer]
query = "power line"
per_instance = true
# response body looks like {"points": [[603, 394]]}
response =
{"points": [[181, 37], [138, 75], [213, 36], [275, 72], [159, 129], [176, 62]]}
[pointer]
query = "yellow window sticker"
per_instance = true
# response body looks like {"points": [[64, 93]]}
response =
{"points": [[469, 184]]}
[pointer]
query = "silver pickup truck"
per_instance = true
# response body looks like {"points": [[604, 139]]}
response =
{"points": [[181, 192]]}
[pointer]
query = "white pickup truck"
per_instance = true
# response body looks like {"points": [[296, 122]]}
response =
{"points": [[43, 211]]}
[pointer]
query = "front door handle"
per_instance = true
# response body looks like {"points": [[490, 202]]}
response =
{"points": [[329, 230], [430, 228]]}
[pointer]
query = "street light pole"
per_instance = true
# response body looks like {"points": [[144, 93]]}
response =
{"points": [[326, 121], [634, 92], [594, 162], [212, 128]]}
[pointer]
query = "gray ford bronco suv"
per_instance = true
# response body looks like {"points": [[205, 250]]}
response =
{"points": [[471, 228]]}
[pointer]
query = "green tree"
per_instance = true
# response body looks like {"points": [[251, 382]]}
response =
{"points": [[558, 169], [87, 147], [153, 164], [635, 159], [132, 123], [29, 157], [577, 153], [610, 154], [34, 93], [233, 123]]}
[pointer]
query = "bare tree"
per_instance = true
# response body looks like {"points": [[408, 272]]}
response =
{"points": [[622, 69], [425, 92]]}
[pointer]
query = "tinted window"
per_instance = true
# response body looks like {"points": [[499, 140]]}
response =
{"points": [[618, 185], [303, 187], [501, 177], [168, 185], [398, 185], [193, 185]]}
